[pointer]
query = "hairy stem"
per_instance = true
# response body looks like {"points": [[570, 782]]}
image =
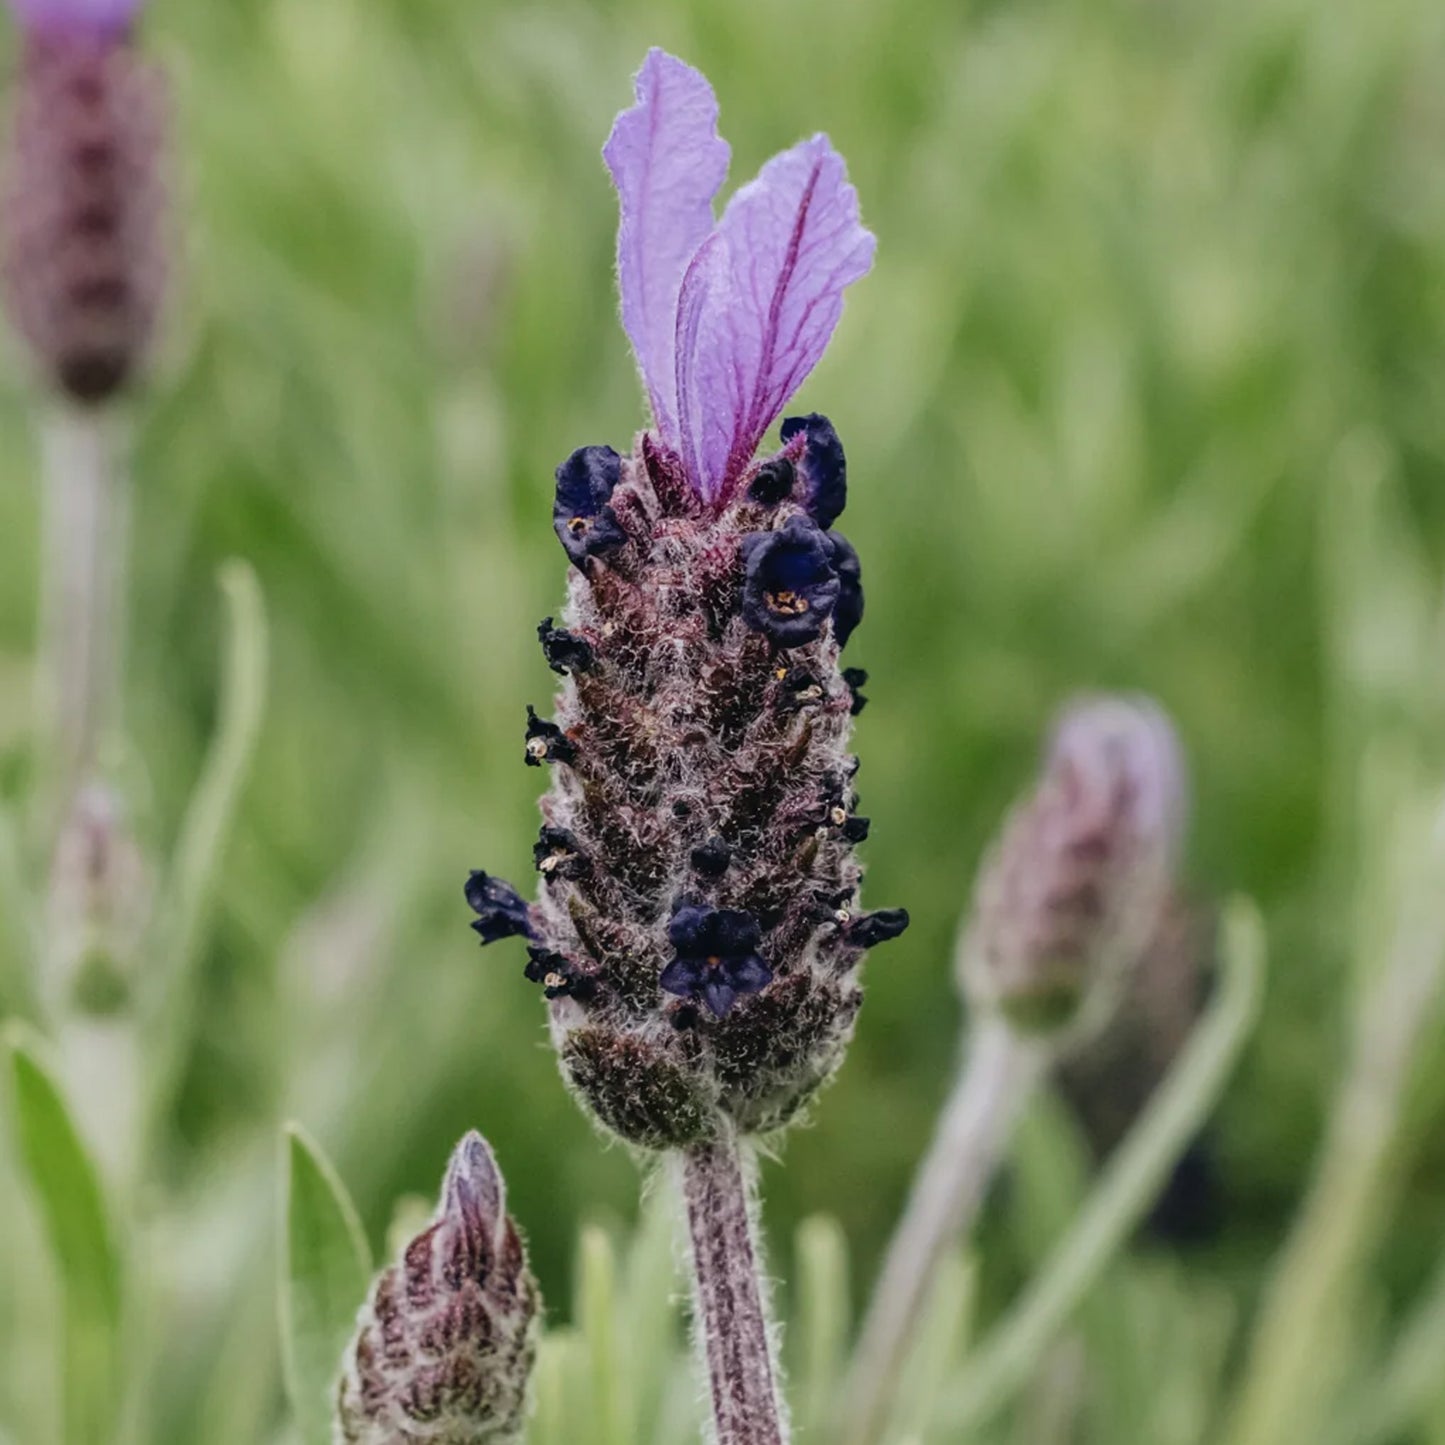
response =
{"points": [[729, 1300], [998, 1076], [85, 521]]}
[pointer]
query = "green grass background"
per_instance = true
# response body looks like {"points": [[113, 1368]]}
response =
{"points": [[1147, 390]]}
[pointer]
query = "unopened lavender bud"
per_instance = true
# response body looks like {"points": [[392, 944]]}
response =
{"points": [[444, 1347], [1075, 886], [84, 197], [702, 799]]}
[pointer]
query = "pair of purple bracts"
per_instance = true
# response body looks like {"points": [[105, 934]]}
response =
{"points": [[698, 932]]}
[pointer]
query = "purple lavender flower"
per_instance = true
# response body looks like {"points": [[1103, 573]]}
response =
{"points": [[702, 800], [83, 208]]}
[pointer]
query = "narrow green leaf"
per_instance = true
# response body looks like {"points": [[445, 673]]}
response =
{"points": [[597, 1313], [168, 1001], [72, 1204], [325, 1273], [819, 1338]]}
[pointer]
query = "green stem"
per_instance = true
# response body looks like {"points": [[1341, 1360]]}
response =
{"points": [[170, 987], [1131, 1181], [85, 520]]}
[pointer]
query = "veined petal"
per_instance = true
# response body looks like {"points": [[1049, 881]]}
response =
{"points": [[759, 303], [667, 162]]}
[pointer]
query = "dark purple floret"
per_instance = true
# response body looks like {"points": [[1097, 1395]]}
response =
{"points": [[848, 612], [558, 975], [565, 651], [711, 859], [546, 742], [773, 482], [558, 854], [855, 830], [800, 688], [824, 467], [856, 678], [870, 929], [585, 524], [716, 959], [501, 911], [789, 586]]}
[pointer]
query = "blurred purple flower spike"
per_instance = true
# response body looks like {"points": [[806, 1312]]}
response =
{"points": [[106, 18], [727, 319]]}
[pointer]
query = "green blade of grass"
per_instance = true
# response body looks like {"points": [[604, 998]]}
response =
{"points": [[325, 1272], [72, 1204]]}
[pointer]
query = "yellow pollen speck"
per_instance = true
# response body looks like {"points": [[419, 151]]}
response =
{"points": [[789, 603], [577, 525], [843, 916], [839, 817], [554, 980], [537, 747]]}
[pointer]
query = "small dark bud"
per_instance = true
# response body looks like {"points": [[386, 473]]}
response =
{"points": [[789, 584], [711, 859], [856, 679], [716, 961], [546, 742], [585, 524], [868, 930], [848, 612], [444, 1346], [824, 467], [773, 482], [502, 912], [855, 829], [558, 854], [565, 651]]}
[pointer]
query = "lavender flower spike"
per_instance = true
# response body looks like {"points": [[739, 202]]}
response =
{"points": [[83, 223], [444, 1347], [1078, 881], [726, 321]]}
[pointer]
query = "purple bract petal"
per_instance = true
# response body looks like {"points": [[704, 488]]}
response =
{"points": [[76, 17], [759, 303], [667, 162]]}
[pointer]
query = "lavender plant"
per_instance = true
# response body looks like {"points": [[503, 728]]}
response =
{"points": [[698, 931]]}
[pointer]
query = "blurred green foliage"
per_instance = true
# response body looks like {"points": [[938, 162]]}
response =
{"points": [[1145, 391]]}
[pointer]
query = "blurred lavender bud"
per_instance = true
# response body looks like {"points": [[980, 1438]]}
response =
{"points": [[697, 933], [1074, 888], [445, 1345], [98, 908], [83, 203]]}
